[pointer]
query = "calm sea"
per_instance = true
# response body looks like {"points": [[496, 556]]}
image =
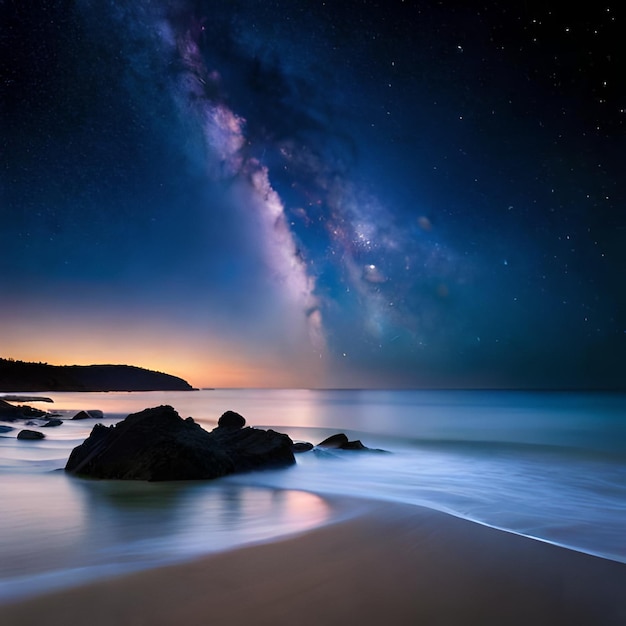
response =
{"points": [[544, 464]]}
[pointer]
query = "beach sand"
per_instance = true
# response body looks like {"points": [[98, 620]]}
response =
{"points": [[392, 565]]}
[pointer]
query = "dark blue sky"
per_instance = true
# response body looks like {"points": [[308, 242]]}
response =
{"points": [[316, 193]]}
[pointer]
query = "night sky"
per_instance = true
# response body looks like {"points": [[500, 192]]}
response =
{"points": [[316, 194]]}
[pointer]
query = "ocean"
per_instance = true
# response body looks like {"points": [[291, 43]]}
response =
{"points": [[548, 465]]}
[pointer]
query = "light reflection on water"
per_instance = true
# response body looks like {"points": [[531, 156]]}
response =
{"points": [[59, 523]]}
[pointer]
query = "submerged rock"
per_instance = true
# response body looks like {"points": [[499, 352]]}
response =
{"points": [[157, 444]]}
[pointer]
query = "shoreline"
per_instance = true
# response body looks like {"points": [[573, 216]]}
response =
{"points": [[386, 563]]}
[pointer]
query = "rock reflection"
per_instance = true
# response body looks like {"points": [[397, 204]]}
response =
{"points": [[80, 529]]}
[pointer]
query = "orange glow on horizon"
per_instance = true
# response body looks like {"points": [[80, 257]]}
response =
{"points": [[199, 358]]}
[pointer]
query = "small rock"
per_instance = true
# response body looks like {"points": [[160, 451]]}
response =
{"points": [[82, 415], [341, 442], [30, 434], [53, 422], [6, 429], [230, 419], [302, 446]]}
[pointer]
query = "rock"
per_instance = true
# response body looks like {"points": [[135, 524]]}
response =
{"points": [[302, 446], [52, 422], [90, 414], [5, 406], [157, 444], [230, 419], [354, 445], [9, 418], [30, 434], [334, 441], [253, 448], [10, 413], [341, 442], [29, 411], [6, 429]]}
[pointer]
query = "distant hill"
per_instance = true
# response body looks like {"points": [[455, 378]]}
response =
{"points": [[23, 376]]}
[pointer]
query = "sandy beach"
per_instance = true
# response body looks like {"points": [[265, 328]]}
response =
{"points": [[393, 564]]}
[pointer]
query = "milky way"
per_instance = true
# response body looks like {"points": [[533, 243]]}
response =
{"points": [[337, 195]]}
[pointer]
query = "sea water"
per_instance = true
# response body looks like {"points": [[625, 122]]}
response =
{"points": [[548, 465]]}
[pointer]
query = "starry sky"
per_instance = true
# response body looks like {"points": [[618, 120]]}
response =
{"points": [[316, 194]]}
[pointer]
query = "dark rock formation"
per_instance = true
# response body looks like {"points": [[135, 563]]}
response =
{"points": [[334, 441], [91, 414], [52, 422], [302, 446], [253, 448], [341, 442], [230, 419], [11, 413], [23, 376], [157, 444], [8, 413], [354, 445], [30, 434], [6, 429]]}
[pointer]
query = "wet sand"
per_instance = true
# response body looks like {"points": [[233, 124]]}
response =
{"points": [[394, 564]]}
